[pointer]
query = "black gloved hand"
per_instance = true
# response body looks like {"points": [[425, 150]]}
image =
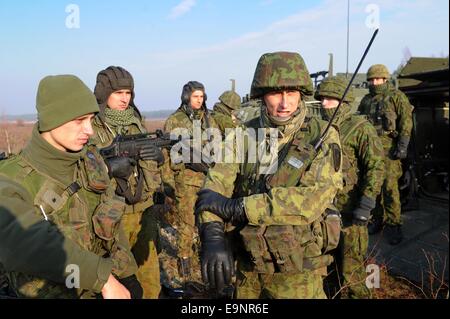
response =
{"points": [[151, 152], [229, 209], [361, 214], [216, 258], [120, 167], [401, 151], [134, 286]]}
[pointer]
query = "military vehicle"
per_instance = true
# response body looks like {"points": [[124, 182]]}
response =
{"points": [[425, 81]]}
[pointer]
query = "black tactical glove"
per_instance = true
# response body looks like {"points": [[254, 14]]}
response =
{"points": [[120, 167], [229, 209], [134, 286], [401, 151], [151, 152], [361, 214], [216, 258]]}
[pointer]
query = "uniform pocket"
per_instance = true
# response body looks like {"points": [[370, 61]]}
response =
{"points": [[106, 218], [389, 120], [331, 229]]}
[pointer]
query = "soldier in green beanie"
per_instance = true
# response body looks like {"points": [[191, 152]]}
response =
{"points": [[389, 110], [363, 174], [276, 222], [118, 114], [60, 230]]}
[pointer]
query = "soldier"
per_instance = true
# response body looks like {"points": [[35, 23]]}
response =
{"points": [[363, 174], [189, 178], [58, 215], [118, 114], [279, 216], [389, 110], [224, 111]]}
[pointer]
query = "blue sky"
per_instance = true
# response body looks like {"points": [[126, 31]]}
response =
{"points": [[164, 44]]}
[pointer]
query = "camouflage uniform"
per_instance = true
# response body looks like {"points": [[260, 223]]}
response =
{"points": [[57, 209], [281, 250], [389, 110], [224, 112], [139, 220], [363, 173], [187, 184]]}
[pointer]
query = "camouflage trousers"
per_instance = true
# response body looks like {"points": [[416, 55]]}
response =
{"points": [[188, 237], [388, 207], [143, 233], [179, 238], [354, 244], [171, 272], [302, 285]]}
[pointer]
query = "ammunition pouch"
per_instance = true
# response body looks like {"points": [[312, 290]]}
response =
{"points": [[292, 249], [389, 121], [255, 244], [331, 230], [107, 216], [285, 247]]}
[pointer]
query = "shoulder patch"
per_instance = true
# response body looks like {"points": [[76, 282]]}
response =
{"points": [[336, 153]]}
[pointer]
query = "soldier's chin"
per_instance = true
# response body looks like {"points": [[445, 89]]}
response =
{"points": [[75, 147]]}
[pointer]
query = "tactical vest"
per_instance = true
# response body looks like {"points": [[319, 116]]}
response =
{"points": [[85, 212], [288, 248], [382, 115]]}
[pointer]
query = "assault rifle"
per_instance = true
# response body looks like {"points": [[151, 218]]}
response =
{"points": [[132, 145]]}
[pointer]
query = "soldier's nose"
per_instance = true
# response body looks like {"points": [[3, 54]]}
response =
{"points": [[88, 130]]}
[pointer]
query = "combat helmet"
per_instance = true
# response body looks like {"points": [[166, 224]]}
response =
{"points": [[378, 71], [334, 87], [278, 71], [231, 99]]}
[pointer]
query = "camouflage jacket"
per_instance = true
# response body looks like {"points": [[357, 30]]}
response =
{"points": [[362, 163], [389, 110], [224, 117], [56, 213], [180, 120], [154, 176]]}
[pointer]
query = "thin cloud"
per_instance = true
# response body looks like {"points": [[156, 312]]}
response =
{"points": [[182, 8]]}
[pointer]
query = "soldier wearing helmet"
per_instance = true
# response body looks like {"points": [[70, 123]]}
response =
{"points": [[363, 174], [224, 111], [276, 219], [389, 110], [119, 115], [189, 178]]}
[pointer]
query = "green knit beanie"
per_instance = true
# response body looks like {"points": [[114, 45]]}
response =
{"points": [[62, 98]]}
